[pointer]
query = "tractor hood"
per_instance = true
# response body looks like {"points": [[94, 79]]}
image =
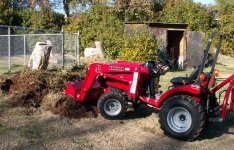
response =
{"points": [[126, 64]]}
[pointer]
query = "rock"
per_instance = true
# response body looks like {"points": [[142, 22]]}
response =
{"points": [[98, 51]]}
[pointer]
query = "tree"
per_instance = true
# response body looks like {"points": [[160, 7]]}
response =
{"points": [[135, 10], [41, 20], [66, 7], [6, 13], [100, 23], [12, 12], [195, 15], [14, 3], [226, 19], [45, 18], [69, 5]]}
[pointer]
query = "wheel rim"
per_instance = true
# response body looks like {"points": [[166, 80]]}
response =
{"points": [[179, 119], [112, 107]]}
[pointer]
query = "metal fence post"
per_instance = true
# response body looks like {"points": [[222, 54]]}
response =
{"points": [[75, 39], [24, 50], [78, 48], [62, 48], [9, 48]]}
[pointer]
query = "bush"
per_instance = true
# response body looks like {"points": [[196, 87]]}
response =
{"points": [[58, 78], [139, 48]]}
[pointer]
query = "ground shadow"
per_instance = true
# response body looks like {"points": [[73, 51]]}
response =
{"points": [[142, 113], [217, 129]]}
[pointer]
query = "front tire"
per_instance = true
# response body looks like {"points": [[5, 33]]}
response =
{"points": [[182, 117], [112, 105]]}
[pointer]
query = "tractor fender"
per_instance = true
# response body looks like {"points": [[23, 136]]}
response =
{"points": [[192, 90]]}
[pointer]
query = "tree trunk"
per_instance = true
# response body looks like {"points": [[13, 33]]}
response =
{"points": [[39, 59], [66, 9]]}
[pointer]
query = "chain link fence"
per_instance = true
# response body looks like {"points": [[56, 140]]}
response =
{"points": [[17, 44]]}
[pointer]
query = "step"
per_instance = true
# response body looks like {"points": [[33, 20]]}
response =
{"points": [[216, 119]]}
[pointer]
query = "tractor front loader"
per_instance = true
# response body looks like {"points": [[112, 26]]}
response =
{"points": [[114, 85]]}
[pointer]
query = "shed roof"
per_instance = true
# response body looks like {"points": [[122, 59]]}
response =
{"points": [[162, 24]]}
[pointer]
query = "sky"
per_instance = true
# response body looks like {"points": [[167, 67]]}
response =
{"points": [[205, 1]]}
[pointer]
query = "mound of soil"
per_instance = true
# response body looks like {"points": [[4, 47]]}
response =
{"points": [[32, 90], [68, 107], [27, 90]]}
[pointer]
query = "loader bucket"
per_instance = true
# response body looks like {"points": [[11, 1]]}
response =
{"points": [[73, 88]]}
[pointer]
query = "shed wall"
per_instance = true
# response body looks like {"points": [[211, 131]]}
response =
{"points": [[195, 48]]}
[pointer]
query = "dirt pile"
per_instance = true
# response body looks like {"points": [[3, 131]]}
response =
{"points": [[58, 103], [44, 89], [28, 89]]}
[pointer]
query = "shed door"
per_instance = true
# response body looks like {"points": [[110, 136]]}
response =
{"points": [[195, 48], [174, 46]]}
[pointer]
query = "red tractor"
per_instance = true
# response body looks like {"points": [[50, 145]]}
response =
{"points": [[183, 109]]}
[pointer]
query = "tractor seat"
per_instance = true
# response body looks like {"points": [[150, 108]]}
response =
{"points": [[177, 81], [180, 81]]}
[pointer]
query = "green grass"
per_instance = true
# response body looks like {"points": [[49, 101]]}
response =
{"points": [[165, 79], [229, 69], [14, 69]]}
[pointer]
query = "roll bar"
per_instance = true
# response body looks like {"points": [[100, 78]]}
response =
{"points": [[206, 53]]}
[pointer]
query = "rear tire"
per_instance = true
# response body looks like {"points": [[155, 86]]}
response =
{"points": [[181, 117], [112, 105]]}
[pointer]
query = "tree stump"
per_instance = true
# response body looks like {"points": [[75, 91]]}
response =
{"points": [[40, 56]]}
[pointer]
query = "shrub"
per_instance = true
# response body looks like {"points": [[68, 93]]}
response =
{"points": [[139, 48]]}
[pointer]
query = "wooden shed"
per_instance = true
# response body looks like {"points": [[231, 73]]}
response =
{"points": [[184, 47]]}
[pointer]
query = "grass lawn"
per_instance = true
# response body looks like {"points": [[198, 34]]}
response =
{"points": [[14, 69]]}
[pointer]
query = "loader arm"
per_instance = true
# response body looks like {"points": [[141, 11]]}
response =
{"points": [[79, 90], [92, 74], [228, 97]]}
